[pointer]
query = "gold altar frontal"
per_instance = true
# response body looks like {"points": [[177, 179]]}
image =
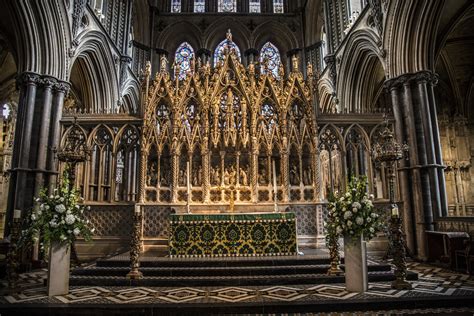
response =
{"points": [[233, 235]]}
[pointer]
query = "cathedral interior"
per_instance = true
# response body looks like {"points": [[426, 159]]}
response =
{"points": [[205, 107]]}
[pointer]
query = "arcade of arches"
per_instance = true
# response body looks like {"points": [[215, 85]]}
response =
{"points": [[238, 106]]}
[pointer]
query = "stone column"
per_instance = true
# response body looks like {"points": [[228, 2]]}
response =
{"points": [[413, 102], [29, 82], [437, 147], [403, 174], [60, 89], [47, 83]]}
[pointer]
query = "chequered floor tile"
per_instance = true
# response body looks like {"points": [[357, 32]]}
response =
{"points": [[433, 282]]}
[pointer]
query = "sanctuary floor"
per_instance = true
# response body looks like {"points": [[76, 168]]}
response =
{"points": [[437, 291]]}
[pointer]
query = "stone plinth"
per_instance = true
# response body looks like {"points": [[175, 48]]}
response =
{"points": [[355, 261], [58, 270]]}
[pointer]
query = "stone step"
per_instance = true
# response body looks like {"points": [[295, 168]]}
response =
{"points": [[253, 280], [217, 271], [217, 262]]}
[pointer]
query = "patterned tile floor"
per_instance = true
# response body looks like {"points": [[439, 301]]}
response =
{"points": [[433, 283]]}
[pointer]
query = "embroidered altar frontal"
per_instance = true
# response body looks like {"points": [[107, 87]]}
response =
{"points": [[225, 235]]}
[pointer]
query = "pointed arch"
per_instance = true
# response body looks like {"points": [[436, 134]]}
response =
{"points": [[183, 57], [270, 56], [220, 49]]}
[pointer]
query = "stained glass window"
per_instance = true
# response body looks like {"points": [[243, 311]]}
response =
{"points": [[254, 6], [176, 6], [270, 55], [183, 57], [278, 6], [227, 5], [219, 52], [199, 6]]}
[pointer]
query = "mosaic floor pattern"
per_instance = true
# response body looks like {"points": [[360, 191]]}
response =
{"points": [[433, 282]]}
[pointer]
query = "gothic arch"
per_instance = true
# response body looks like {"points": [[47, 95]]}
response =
{"points": [[177, 33], [327, 102], [215, 34], [94, 64], [36, 47], [362, 66], [411, 42], [265, 32], [131, 96]]}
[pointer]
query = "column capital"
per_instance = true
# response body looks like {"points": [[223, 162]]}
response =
{"points": [[48, 81], [62, 86], [28, 78], [409, 78]]}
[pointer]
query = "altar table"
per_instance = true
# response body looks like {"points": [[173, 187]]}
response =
{"points": [[232, 235]]}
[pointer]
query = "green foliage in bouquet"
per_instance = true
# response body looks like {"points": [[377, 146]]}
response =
{"points": [[352, 213], [57, 217]]}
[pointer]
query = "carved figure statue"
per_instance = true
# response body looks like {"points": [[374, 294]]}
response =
{"points": [[199, 175], [226, 177], [163, 64], [232, 175], [182, 178], [216, 178], [229, 35], [262, 177], [295, 63], [243, 177], [152, 176], [307, 176], [294, 176]]}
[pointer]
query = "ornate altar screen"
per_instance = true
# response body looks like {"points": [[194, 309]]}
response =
{"points": [[229, 135]]}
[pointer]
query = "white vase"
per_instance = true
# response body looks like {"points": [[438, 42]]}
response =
{"points": [[355, 262], [58, 269]]}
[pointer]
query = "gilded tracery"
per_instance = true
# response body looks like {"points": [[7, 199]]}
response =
{"points": [[223, 129]]}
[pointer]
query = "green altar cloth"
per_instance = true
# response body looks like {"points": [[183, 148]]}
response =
{"points": [[232, 235]]}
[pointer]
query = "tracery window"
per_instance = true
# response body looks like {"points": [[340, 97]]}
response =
{"points": [[219, 52], [175, 6], [227, 6], [278, 6], [270, 56], [101, 162], [127, 165], [199, 6], [254, 6], [183, 57]]}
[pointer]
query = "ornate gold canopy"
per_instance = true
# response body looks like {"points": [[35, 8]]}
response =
{"points": [[223, 128]]}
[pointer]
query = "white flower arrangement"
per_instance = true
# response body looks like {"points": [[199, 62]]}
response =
{"points": [[352, 214], [58, 217]]}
